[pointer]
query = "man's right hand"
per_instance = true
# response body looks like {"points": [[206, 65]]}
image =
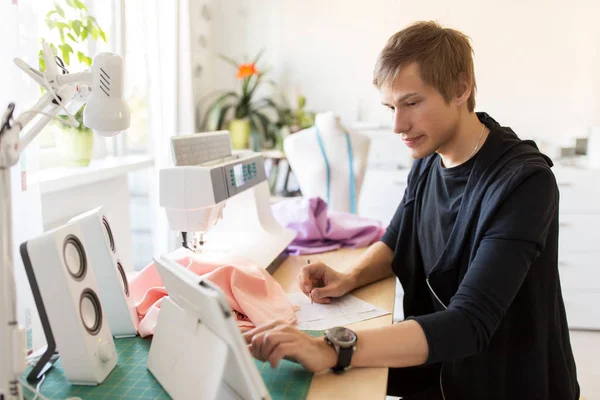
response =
{"points": [[323, 283]]}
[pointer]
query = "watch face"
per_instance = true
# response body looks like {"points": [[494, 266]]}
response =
{"points": [[342, 336]]}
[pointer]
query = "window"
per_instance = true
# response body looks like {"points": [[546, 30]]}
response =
{"points": [[128, 31], [123, 23], [125, 26], [136, 76]]}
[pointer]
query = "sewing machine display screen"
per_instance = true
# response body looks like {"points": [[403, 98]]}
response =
{"points": [[242, 173], [240, 176]]}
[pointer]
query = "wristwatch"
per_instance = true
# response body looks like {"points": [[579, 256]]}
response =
{"points": [[343, 340]]}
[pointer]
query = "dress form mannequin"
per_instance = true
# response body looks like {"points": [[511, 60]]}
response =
{"points": [[305, 155]]}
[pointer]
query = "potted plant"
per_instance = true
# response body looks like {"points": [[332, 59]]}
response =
{"points": [[291, 120], [240, 113], [71, 19]]}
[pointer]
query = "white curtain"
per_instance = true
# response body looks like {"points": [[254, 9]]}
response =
{"points": [[171, 95], [19, 38]]}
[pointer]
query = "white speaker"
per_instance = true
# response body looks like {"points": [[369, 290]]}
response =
{"points": [[62, 279], [113, 286]]}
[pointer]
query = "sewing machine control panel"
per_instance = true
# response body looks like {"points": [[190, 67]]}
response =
{"points": [[244, 173]]}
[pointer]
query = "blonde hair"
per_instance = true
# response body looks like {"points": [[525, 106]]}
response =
{"points": [[444, 57]]}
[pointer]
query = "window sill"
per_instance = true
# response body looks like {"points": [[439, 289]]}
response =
{"points": [[62, 178]]}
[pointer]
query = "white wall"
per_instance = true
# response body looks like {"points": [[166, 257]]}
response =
{"points": [[536, 61]]}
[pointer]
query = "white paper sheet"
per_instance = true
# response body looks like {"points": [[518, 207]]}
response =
{"points": [[341, 311]]}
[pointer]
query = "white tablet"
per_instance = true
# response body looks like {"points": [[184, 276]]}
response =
{"points": [[198, 349]]}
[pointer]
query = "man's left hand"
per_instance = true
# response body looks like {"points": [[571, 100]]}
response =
{"points": [[276, 340]]}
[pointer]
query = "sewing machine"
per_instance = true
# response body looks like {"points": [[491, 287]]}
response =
{"points": [[219, 200]]}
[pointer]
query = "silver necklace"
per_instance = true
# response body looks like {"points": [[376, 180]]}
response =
{"points": [[478, 140]]}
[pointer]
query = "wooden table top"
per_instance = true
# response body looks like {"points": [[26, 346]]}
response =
{"points": [[359, 383]]}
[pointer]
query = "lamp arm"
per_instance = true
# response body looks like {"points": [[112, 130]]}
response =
{"points": [[28, 116], [12, 341], [73, 90], [12, 336], [77, 98], [12, 361], [84, 78]]}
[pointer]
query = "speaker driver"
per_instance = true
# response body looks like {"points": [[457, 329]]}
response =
{"points": [[90, 311], [108, 233], [74, 256], [124, 282]]}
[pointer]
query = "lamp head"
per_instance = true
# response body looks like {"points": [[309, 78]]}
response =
{"points": [[106, 112]]}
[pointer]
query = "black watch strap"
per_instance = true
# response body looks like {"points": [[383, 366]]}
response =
{"points": [[344, 358]]}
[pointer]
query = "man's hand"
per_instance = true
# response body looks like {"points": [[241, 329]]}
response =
{"points": [[277, 340], [322, 282]]}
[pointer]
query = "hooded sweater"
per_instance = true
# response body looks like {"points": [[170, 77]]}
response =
{"points": [[491, 306]]}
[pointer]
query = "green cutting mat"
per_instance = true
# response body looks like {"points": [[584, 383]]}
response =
{"points": [[131, 380]]}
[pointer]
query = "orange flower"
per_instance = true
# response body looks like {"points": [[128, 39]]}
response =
{"points": [[246, 70]]}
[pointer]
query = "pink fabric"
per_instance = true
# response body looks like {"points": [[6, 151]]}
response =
{"points": [[319, 230], [252, 293]]}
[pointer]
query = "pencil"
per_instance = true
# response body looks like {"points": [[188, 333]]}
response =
{"points": [[310, 293]]}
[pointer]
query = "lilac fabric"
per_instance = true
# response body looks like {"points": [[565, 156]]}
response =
{"points": [[319, 230]]}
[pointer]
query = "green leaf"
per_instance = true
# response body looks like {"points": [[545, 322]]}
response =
{"points": [[59, 10], [95, 33], [265, 122], [262, 125], [66, 52], [84, 34], [71, 37], [226, 95], [243, 108], [80, 5], [260, 53], [222, 115], [76, 27], [66, 57], [102, 34], [213, 117], [41, 61], [256, 124], [66, 46], [266, 103], [213, 113], [230, 61], [70, 3], [256, 82], [301, 101], [257, 138], [245, 83], [61, 27]]}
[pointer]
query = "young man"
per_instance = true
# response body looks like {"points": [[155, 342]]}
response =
{"points": [[474, 243]]}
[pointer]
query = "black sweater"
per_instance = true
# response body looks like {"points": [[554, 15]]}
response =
{"points": [[491, 307]]}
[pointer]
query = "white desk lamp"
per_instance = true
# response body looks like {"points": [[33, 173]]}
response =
{"points": [[106, 113]]}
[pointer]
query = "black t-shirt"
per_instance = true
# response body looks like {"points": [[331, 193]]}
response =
{"points": [[438, 208], [504, 331]]}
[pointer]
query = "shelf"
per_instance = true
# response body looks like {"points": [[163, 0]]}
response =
{"points": [[62, 178]]}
